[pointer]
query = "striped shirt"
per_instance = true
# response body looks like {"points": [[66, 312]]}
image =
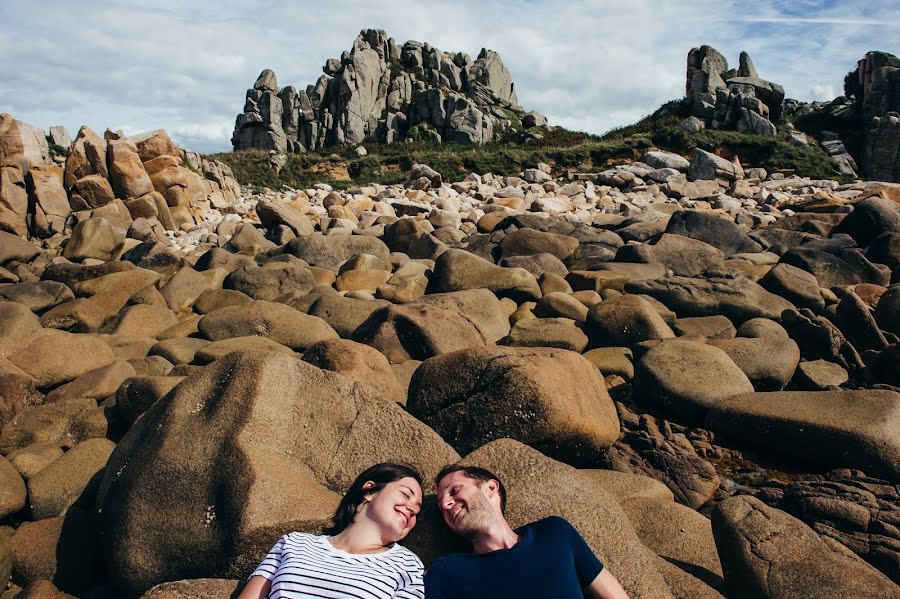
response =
{"points": [[305, 565]]}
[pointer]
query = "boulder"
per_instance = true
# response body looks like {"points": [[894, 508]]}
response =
{"points": [[213, 299], [93, 238], [682, 255], [72, 477], [126, 171], [550, 399], [34, 458], [480, 306], [64, 550], [17, 324], [529, 242], [219, 349], [178, 350], [687, 378], [270, 283], [142, 320], [458, 270], [138, 393], [63, 424], [91, 191], [14, 248], [12, 492], [762, 328], [343, 314], [836, 264], [417, 332], [768, 553], [561, 333], [21, 145], [625, 321], [43, 589], [716, 231], [707, 166], [887, 312], [183, 289], [358, 362], [50, 202], [97, 384], [37, 296], [819, 375], [768, 363], [54, 357], [856, 429], [795, 285], [679, 535], [278, 322], [536, 264], [328, 251], [733, 296], [13, 202], [198, 588], [561, 304], [711, 327], [280, 434], [870, 218], [818, 338], [657, 159], [580, 499]]}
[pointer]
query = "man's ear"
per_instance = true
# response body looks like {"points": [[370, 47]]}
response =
{"points": [[493, 487]]}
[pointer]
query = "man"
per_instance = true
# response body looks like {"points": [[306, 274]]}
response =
{"points": [[547, 558]]}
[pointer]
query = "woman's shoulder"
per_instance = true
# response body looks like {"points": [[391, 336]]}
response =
{"points": [[300, 537], [407, 556]]}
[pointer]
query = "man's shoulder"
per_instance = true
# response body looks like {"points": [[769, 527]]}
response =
{"points": [[549, 523]]}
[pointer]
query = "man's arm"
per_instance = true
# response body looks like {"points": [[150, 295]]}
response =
{"points": [[605, 586]]}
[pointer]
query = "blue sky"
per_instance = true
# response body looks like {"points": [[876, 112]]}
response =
{"points": [[591, 66]]}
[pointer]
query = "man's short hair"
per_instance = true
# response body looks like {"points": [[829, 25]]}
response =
{"points": [[476, 473]]}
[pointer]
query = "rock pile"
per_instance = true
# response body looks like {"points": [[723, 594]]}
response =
{"points": [[735, 99], [144, 184], [379, 91], [878, 104], [170, 404]]}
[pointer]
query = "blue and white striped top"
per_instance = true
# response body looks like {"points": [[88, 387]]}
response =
{"points": [[305, 565]]}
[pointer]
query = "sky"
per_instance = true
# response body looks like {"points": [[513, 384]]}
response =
{"points": [[587, 65]]}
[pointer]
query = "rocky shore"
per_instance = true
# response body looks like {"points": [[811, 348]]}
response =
{"points": [[693, 360]]}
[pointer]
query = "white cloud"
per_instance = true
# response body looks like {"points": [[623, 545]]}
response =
{"points": [[589, 65]]}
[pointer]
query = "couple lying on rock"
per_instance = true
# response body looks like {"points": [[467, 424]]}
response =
{"points": [[361, 558]]}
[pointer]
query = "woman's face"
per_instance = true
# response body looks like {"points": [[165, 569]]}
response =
{"points": [[393, 509]]}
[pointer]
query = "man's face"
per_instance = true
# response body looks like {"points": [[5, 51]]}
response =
{"points": [[464, 504]]}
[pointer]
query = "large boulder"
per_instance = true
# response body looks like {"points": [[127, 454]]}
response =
{"points": [[278, 322], [21, 145], [418, 331], [458, 270], [836, 263], [53, 357], [480, 306], [13, 201], [733, 296], [126, 171], [550, 399], [687, 378], [625, 321], [51, 204], [684, 256], [344, 314], [270, 282], [12, 494], [870, 218], [768, 363], [795, 285], [767, 553], [56, 487], [579, 498], [358, 362], [716, 231], [208, 478], [856, 429], [328, 251], [707, 166], [529, 242]]}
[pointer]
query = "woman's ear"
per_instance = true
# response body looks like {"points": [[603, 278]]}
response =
{"points": [[369, 486]]}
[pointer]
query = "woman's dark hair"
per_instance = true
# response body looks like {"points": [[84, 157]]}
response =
{"points": [[381, 475]]}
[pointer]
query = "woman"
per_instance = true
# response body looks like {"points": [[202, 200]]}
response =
{"points": [[359, 556]]}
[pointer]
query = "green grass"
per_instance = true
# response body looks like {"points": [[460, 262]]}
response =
{"points": [[388, 164]]}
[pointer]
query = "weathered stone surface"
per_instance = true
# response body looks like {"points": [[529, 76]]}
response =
{"points": [[142, 320], [458, 270], [93, 238], [97, 384], [15, 248], [63, 424], [219, 349], [718, 232], [268, 284], [869, 219], [625, 321], [56, 487], [528, 242], [197, 588], [12, 492], [768, 363], [417, 332], [278, 322], [358, 362], [344, 314], [561, 333], [768, 553], [37, 296], [836, 264], [795, 285], [51, 204], [126, 172], [735, 297], [550, 399], [330, 252], [284, 453], [856, 429], [138, 393], [687, 378], [53, 357], [711, 327], [32, 459], [683, 255], [480, 306]]}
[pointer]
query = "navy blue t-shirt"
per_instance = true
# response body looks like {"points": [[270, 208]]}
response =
{"points": [[550, 560]]}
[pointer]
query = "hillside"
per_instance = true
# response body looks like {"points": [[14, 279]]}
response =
{"points": [[342, 167]]}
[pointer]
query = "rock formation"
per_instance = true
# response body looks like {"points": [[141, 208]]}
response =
{"points": [[144, 178], [878, 105], [734, 99], [379, 91]]}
